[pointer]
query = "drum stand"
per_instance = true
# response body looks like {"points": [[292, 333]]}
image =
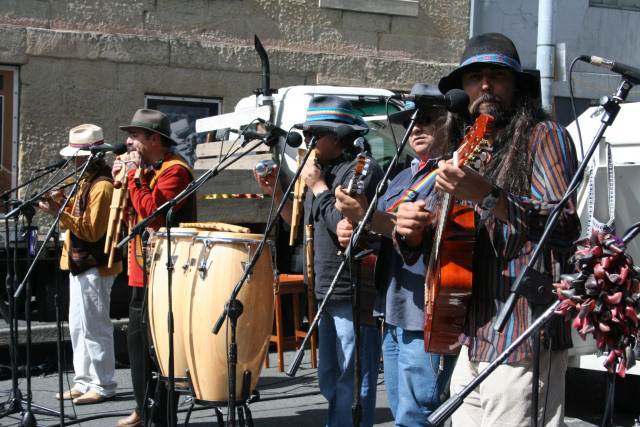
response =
{"points": [[242, 406]]}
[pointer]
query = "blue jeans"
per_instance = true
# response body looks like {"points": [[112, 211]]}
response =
{"points": [[335, 367], [412, 376]]}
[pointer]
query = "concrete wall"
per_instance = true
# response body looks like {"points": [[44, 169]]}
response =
{"points": [[95, 60]]}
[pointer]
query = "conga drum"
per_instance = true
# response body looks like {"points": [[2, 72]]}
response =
{"points": [[221, 266], [183, 247]]}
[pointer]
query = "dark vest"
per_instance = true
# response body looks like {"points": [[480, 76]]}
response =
{"points": [[84, 255]]}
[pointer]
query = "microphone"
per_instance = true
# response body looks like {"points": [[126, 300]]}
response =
{"points": [[628, 72], [293, 138], [456, 100], [273, 129], [60, 163], [118, 148]]}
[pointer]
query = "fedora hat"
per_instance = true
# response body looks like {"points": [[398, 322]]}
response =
{"points": [[409, 106], [491, 48], [330, 111], [152, 120], [81, 139]]}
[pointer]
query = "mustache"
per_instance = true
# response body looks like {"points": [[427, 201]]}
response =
{"points": [[487, 97]]}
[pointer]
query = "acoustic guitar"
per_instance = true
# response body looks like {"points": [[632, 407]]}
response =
{"points": [[448, 277]]}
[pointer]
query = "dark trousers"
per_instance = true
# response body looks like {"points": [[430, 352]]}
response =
{"points": [[140, 350]]}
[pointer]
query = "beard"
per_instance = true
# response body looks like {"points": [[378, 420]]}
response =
{"points": [[501, 116]]}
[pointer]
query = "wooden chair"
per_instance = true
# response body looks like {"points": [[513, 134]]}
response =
{"points": [[291, 284]]}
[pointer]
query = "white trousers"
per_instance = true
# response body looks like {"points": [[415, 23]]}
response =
{"points": [[92, 332], [504, 397]]}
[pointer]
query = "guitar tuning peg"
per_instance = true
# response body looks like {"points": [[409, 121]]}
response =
{"points": [[477, 163]]}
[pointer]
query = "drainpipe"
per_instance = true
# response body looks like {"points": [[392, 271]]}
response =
{"points": [[545, 53], [474, 18]]}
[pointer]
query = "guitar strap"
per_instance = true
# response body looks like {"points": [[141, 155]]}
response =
{"points": [[410, 193]]}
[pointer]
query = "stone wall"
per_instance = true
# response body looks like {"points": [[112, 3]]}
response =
{"points": [[95, 60]]}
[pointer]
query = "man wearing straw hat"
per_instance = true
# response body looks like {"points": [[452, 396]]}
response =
{"points": [[154, 176], [335, 167], [90, 279]]}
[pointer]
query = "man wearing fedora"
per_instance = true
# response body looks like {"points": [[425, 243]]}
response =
{"points": [[414, 379], [526, 175], [161, 176], [335, 167], [90, 279]]}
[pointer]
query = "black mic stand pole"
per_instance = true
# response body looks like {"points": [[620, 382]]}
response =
{"points": [[170, 326], [27, 209], [28, 417], [15, 396], [530, 283], [382, 186], [233, 307]]}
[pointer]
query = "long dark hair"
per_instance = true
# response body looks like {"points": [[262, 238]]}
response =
{"points": [[510, 165], [451, 130]]}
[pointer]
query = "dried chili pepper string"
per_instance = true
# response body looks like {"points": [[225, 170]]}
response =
{"points": [[602, 297]]}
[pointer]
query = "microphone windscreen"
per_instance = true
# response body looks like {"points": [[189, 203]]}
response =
{"points": [[294, 139], [119, 148], [457, 101]]}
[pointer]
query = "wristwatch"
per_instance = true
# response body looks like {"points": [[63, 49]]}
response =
{"points": [[491, 201]]}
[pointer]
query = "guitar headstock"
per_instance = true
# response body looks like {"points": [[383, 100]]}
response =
{"points": [[362, 166], [473, 149]]}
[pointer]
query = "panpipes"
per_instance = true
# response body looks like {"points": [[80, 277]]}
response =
{"points": [[119, 202]]}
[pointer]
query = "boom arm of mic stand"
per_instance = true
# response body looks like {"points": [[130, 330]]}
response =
{"points": [[297, 359], [191, 188], [35, 178], [445, 410], [612, 108], [74, 189]]}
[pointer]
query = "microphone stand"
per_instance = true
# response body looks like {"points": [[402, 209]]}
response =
{"points": [[15, 398], [355, 238], [233, 307], [15, 401], [530, 283]]}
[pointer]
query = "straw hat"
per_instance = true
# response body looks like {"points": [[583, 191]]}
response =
{"points": [[81, 139]]}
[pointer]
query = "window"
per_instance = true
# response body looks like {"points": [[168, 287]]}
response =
{"points": [[183, 113], [8, 127]]}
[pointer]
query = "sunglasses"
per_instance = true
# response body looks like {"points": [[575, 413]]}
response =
{"points": [[422, 120], [317, 133]]}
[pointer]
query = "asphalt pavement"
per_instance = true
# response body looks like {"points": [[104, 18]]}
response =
{"points": [[283, 401]]}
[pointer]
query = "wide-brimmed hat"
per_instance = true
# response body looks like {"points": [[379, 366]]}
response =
{"points": [[152, 120], [81, 139], [490, 48], [409, 106], [330, 111]]}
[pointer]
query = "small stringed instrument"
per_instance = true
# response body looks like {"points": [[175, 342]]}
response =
{"points": [[362, 164], [448, 277]]}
